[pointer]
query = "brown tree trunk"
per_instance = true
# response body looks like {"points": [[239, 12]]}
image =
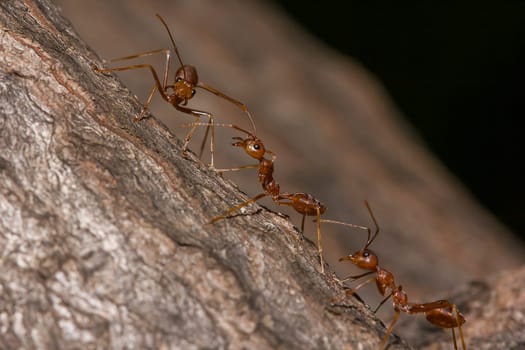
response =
{"points": [[104, 235], [103, 224]]}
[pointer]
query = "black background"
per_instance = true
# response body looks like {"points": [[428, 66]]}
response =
{"points": [[457, 73]]}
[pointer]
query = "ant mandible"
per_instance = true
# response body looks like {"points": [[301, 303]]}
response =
{"points": [[441, 313], [182, 90], [303, 203]]}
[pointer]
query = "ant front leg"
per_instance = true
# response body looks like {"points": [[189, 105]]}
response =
{"points": [[302, 223], [251, 145], [357, 277], [352, 291], [239, 104]]}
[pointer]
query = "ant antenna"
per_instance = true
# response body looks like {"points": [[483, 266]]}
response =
{"points": [[370, 240], [172, 41]]}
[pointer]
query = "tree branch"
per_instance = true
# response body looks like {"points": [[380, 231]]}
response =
{"points": [[103, 234]]}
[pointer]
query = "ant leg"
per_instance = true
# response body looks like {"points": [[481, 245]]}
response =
{"points": [[187, 139], [197, 114], [352, 291], [167, 52], [206, 137], [383, 301], [454, 339], [237, 207], [212, 139], [346, 224], [356, 277], [145, 107], [286, 196], [141, 54], [233, 126], [160, 87], [389, 331], [291, 204], [250, 166], [319, 244], [239, 104], [136, 66], [458, 320]]}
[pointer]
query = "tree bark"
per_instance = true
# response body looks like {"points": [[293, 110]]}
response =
{"points": [[103, 228], [104, 235]]}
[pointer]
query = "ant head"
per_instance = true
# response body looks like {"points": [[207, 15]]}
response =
{"points": [[188, 74], [252, 146], [185, 72], [364, 259], [185, 81]]}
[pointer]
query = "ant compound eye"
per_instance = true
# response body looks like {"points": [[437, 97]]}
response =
{"points": [[178, 79], [366, 254], [192, 92], [256, 147]]}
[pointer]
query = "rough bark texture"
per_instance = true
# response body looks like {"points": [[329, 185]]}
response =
{"points": [[104, 241], [103, 234]]}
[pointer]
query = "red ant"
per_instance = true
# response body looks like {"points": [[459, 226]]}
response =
{"points": [[303, 203], [441, 313], [183, 89]]}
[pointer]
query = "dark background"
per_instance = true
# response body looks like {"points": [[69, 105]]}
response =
{"points": [[457, 73]]}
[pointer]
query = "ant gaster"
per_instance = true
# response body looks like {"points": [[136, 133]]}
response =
{"points": [[303, 203], [441, 313], [179, 92]]}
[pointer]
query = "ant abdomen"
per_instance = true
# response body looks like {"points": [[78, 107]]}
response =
{"points": [[445, 317]]}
